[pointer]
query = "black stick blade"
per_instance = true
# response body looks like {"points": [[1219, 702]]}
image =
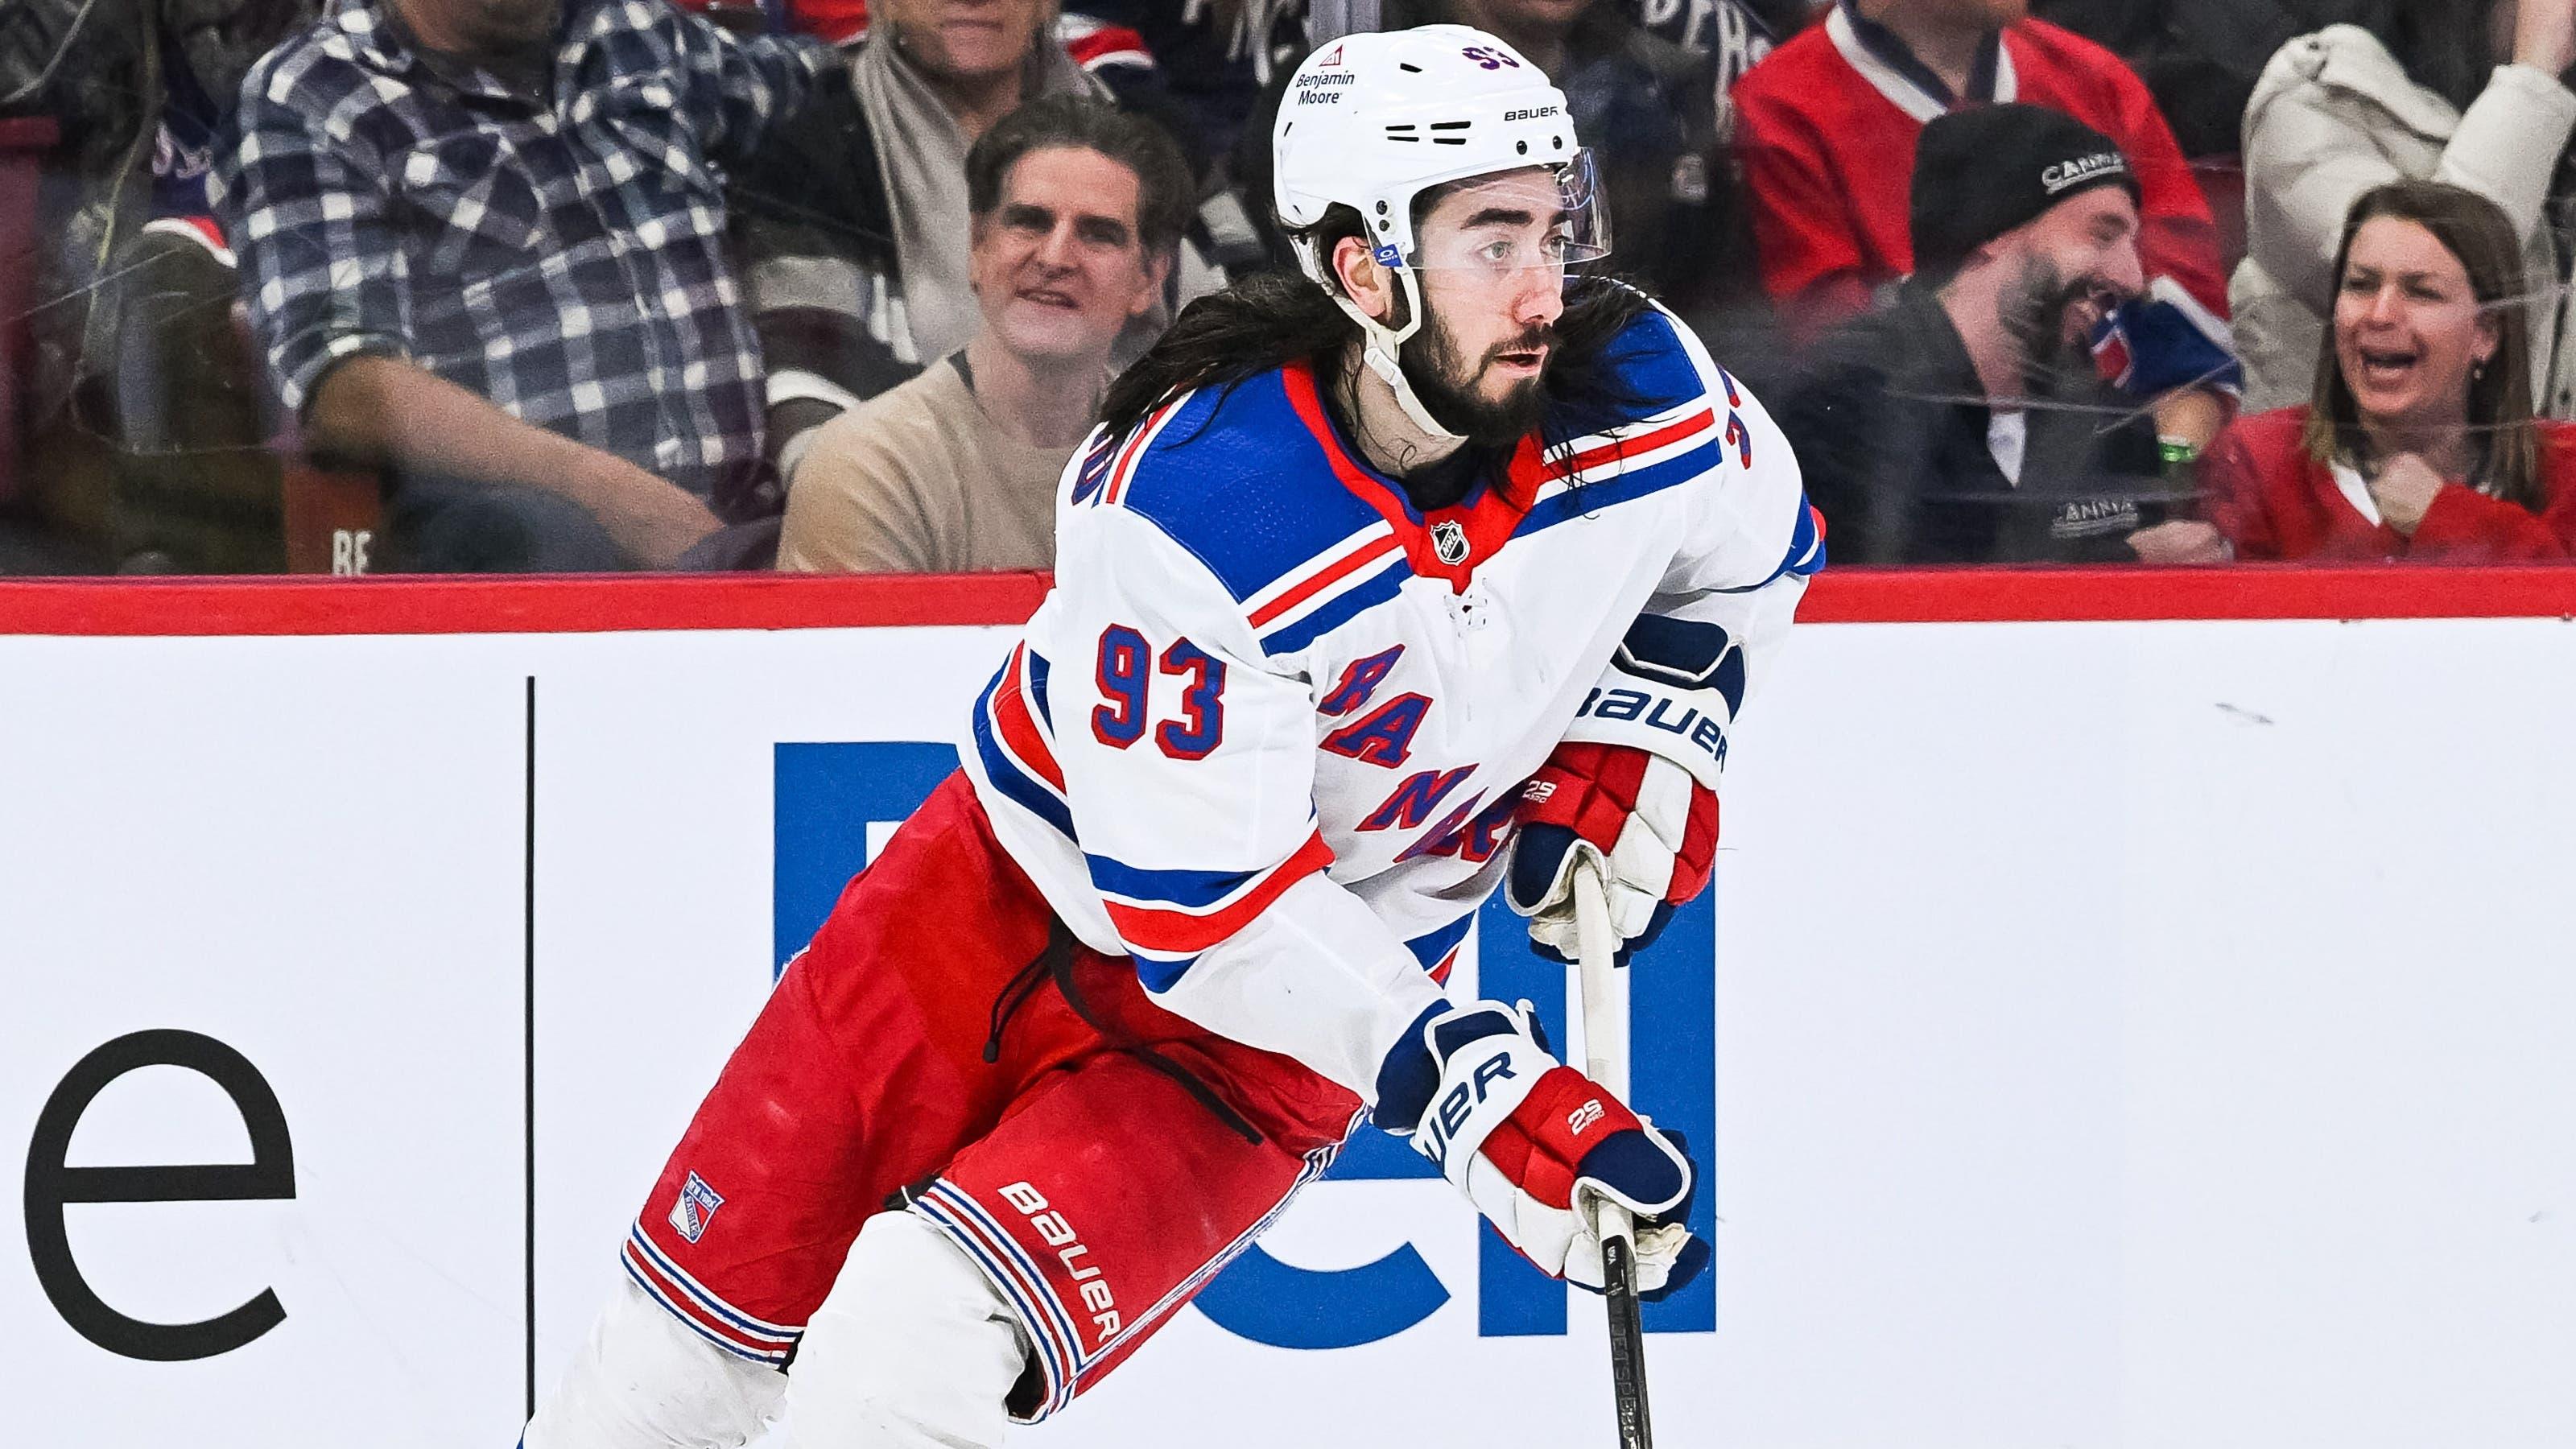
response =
{"points": [[1627, 1344]]}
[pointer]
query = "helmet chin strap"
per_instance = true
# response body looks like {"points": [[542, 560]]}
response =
{"points": [[1379, 350]]}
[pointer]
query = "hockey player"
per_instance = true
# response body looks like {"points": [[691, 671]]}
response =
{"points": [[1355, 557]]}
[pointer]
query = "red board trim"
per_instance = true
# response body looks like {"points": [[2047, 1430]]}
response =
{"points": [[568, 605], [2236, 591], [756, 601]]}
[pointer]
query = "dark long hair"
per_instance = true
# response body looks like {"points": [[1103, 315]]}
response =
{"points": [[2476, 231], [1273, 318]]}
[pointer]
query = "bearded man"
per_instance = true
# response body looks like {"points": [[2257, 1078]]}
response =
{"points": [[1964, 421]]}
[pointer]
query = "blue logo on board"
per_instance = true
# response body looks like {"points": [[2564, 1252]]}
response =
{"points": [[834, 800]]}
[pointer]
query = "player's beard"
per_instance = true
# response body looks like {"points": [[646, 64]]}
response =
{"points": [[1446, 385]]}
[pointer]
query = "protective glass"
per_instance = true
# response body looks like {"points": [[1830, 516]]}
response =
{"points": [[1509, 222]]}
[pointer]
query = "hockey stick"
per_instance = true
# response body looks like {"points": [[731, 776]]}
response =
{"points": [[1605, 1053]]}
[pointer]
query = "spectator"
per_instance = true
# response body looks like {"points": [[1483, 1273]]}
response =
{"points": [[1724, 302], [1077, 209], [1734, 34], [150, 417], [855, 221], [1199, 67], [2420, 441], [180, 397], [484, 250], [1737, 32], [1645, 107], [1829, 123], [2470, 94], [1961, 422], [2198, 58], [89, 79]]}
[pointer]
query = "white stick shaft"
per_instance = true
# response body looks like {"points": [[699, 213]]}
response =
{"points": [[1605, 984], [1605, 1014]]}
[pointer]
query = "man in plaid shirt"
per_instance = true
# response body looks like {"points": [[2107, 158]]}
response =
{"points": [[483, 245]]}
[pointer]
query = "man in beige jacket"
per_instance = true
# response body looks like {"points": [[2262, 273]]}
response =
{"points": [[1076, 210], [2346, 109]]}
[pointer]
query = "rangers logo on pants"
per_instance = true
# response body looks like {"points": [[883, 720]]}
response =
{"points": [[698, 1203]]}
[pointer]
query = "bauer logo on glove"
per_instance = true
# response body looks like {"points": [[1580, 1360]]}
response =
{"points": [[1633, 789], [1525, 1136]]}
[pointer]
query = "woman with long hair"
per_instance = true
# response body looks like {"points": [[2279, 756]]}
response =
{"points": [[2471, 92], [2419, 441]]}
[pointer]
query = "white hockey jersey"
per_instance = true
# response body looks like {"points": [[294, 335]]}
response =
{"points": [[1266, 733]]}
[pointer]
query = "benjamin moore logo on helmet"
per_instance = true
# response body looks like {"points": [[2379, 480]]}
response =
{"points": [[2082, 169], [1312, 87]]}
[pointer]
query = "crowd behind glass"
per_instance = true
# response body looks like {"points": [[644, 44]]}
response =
{"points": [[826, 285]]}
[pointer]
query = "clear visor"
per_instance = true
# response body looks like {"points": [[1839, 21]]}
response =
{"points": [[1537, 218]]}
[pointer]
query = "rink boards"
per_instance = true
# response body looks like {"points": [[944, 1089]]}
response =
{"points": [[2115, 1031]]}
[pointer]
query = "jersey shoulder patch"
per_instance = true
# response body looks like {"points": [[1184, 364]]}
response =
{"points": [[1669, 418], [1652, 371], [1240, 478]]}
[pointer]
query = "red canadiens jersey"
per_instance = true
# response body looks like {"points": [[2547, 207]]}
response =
{"points": [[2273, 501], [1266, 734], [1828, 126]]}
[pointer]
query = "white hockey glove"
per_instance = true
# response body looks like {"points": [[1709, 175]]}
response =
{"points": [[1525, 1137], [1633, 788]]}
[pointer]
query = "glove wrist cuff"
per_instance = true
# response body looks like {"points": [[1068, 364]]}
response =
{"points": [[1481, 1085], [1666, 722]]}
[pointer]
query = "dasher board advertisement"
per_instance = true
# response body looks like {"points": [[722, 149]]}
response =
{"points": [[2107, 1032]]}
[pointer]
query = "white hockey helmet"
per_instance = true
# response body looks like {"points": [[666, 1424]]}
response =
{"points": [[1373, 120]]}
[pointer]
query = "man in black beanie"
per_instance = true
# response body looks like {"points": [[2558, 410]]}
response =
{"points": [[1963, 421]]}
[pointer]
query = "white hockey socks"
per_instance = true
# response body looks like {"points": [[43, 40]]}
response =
{"points": [[912, 1349], [644, 1381]]}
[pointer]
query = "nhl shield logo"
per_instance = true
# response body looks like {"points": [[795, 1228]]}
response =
{"points": [[1449, 542], [697, 1205]]}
